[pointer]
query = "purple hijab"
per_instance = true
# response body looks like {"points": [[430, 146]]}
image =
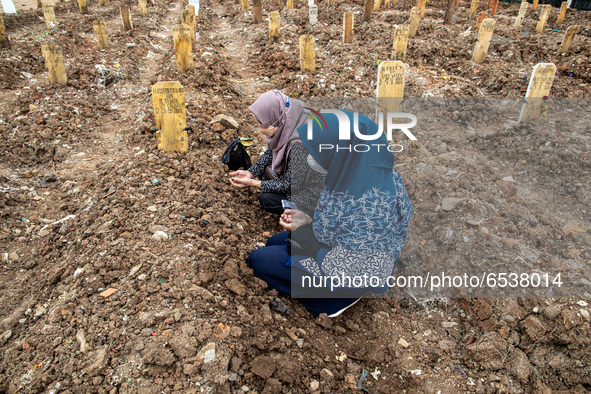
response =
{"points": [[274, 108]]}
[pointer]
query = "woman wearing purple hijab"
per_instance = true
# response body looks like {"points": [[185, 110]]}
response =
{"points": [[279, 117]]}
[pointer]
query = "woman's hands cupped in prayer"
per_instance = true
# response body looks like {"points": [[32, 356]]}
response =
{"points": [[291, 219]]}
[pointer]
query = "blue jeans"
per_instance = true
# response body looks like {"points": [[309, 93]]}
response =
{"points": [[269, 264]]}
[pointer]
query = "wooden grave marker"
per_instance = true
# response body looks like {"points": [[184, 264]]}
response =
{"points": [[422, 4], [521, 14], [256, 11], [473, 9], [39, 4], [481, 16], [367, 11], [169, 115], [49, 15], [331, 3], [143, 4], [534, 5], [313, 14], [484, 36], [390, 85], [274, 26], [307, 53], [244, 5], [539, 87], [4, 41], [400, 43], [376, 5], [183, 47], [100, 32], [348, 27], [562, 13], [103, 2], [415, 17], [54, 62], [387, 4], [544, 14], [495, 5], [569, 36], [126, 17], [449, 13], [188, 18], [194, 11], [82, 6], [290, 4]]}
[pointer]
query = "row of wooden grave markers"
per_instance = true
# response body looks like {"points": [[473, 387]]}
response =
{"points": [[168, 99]]}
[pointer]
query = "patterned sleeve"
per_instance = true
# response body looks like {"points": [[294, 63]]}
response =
{"points": [[258, 169], [297, 156]]}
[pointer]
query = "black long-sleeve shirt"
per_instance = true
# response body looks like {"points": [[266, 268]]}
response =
{"points": [[300, 183]]}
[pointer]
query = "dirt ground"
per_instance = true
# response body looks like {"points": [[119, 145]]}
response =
{"points": [[88, 203]]}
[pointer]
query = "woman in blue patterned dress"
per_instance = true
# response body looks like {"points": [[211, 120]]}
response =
{"points": [[359, 226]]}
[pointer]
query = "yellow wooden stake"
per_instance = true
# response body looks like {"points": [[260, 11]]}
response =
{"points": [[387, 4], [126, 17], [544, 14], [562, 13], [103, 2], [539, 88], [330, 3], [348, 27], [82, 6], [143, 4], [183, 47], [400, 43], [376, 5], [54, 62], [274, 26], [422, 4], [390, 85], [39, 4], [415, 17], [169, 115], [307, 53], [4, 41], [568, 38], [256, 11], [100, 32], [290, 4], [449, 12], [495, 5], [191, 8], [244, 5], [484, 37], [188, 18], [49, 15], [367, 11], [482, 16], [535, 5], [473, 9], [521, 14]]}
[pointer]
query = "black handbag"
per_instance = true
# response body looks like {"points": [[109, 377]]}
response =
{"points": [[236, 157]]}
